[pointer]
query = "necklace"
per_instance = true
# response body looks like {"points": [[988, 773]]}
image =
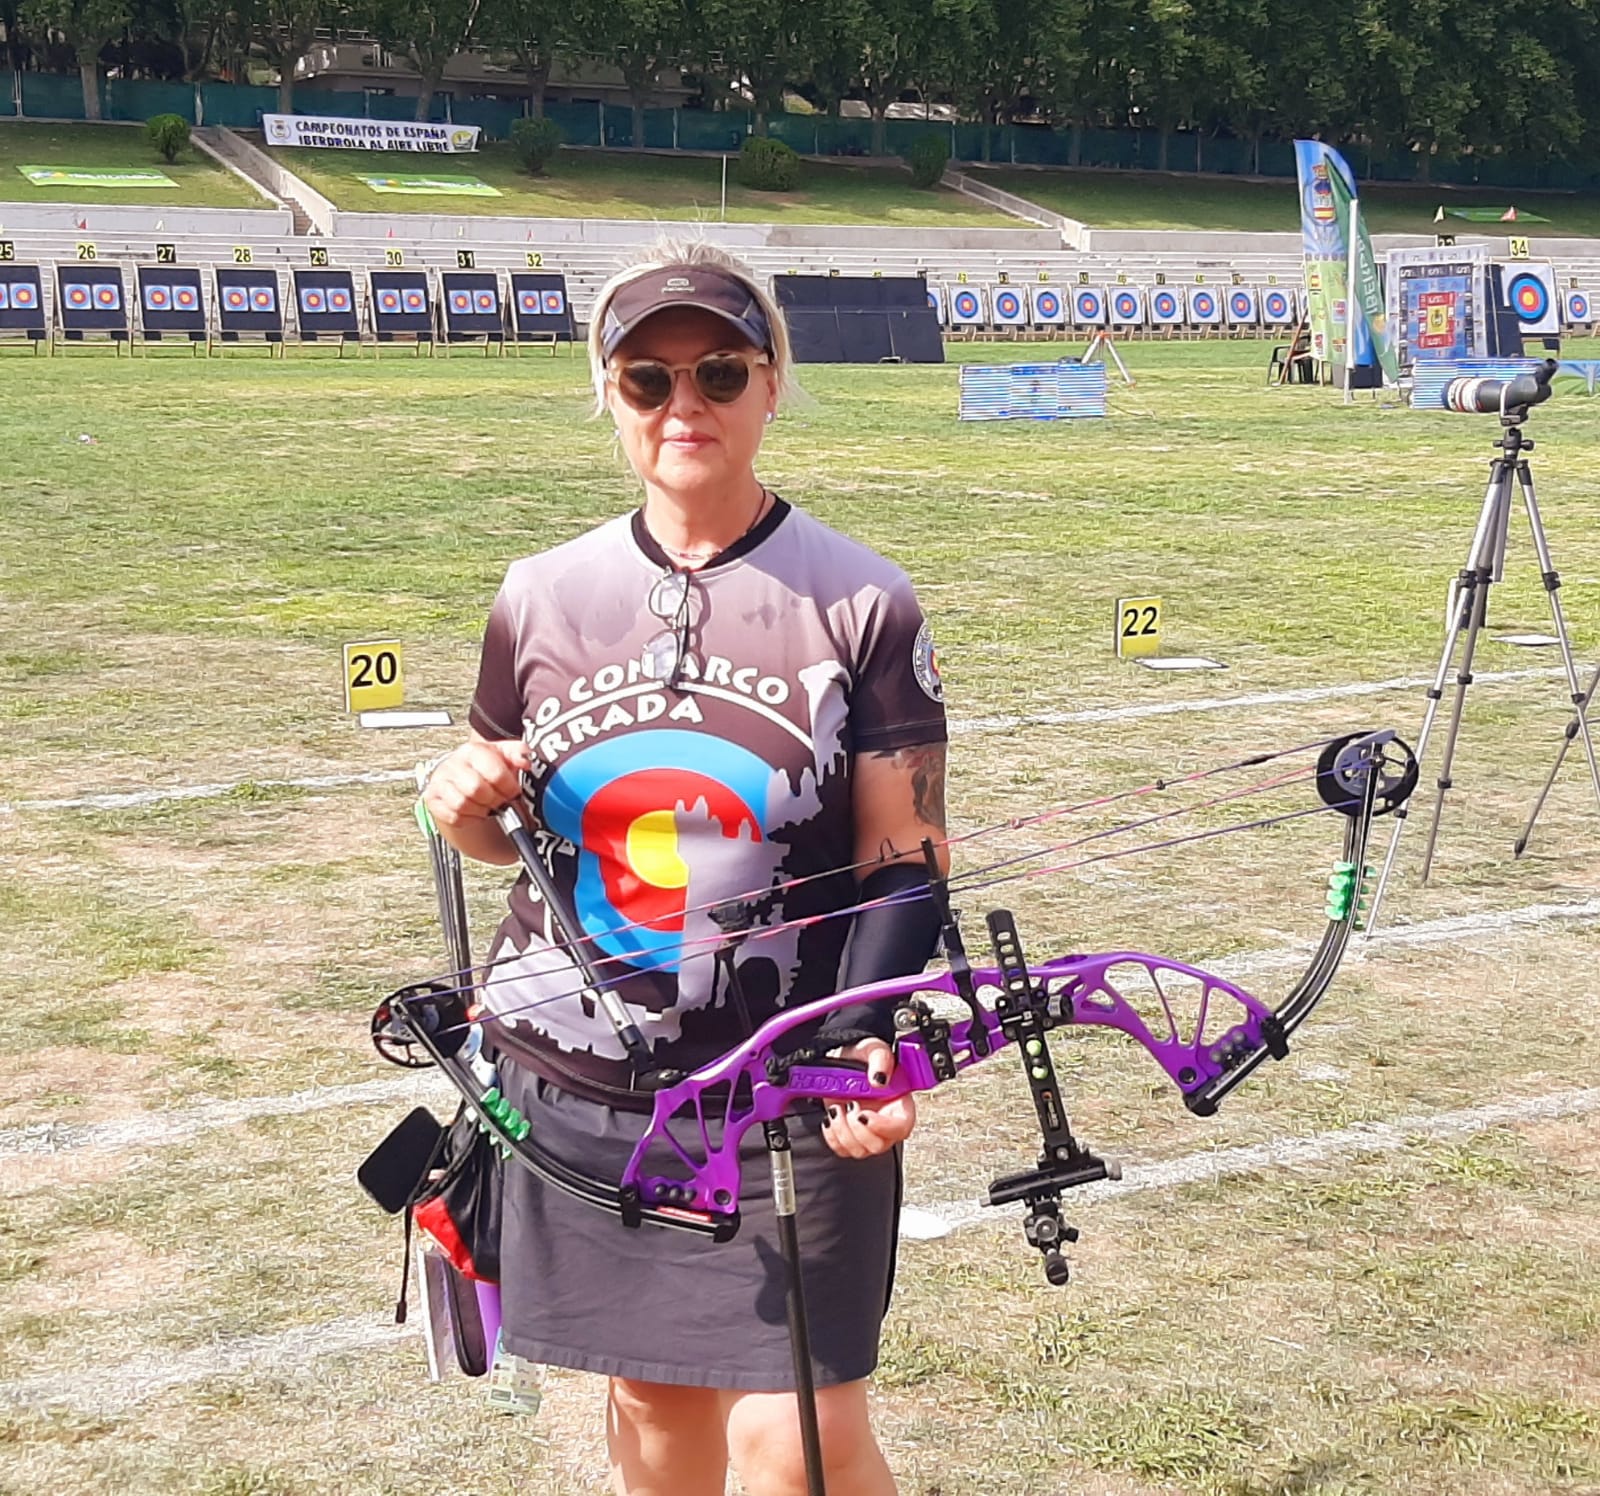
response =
{"points": [[695, 558]]}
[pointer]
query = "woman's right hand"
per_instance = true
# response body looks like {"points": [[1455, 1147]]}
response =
{"points": [[468, 786]]}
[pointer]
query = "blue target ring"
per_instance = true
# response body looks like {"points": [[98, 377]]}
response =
{"points": [[1242, 303], [1007, 306], [965, 305], [1577, 306], [1529, 297], [1276, 305], [1090, 306], [1203, 304], [1046, 305], [1165, 306], [21, 294], [1126, 305]]}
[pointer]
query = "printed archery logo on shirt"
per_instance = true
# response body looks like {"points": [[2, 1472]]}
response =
{"points": [[925, 663]]}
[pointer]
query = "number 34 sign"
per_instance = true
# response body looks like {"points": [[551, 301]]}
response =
{"points": [[1138, 627], [373, 679]]}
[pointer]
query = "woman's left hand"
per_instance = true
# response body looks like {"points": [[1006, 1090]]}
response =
{"points": [[865, 1127]]}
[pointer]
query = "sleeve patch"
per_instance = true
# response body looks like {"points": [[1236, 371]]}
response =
{"points": [[925, 663]]}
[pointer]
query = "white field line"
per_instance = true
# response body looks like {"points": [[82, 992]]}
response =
{"points": [[116, 1387], [134, 799], [927, 1222], [157, 1129]]}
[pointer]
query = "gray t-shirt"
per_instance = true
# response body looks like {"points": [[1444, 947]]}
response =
{"points": [[805, 648]]}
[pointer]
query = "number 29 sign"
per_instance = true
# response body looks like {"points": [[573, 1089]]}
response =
{"points": [[1138, 629], [373, 678]]}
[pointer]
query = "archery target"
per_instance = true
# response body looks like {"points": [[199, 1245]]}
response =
{"points": [[108, 297], [21, 301], [1530, 292], [157, 298], [936, 301], [263, 299], [1277, 308], [486, 301], [77, 295], [5, 296], [966, 307], [459, 301], [340, 299], [1127, 306], [90, 298], [327, 302], [313, 300], [401, 304], [528, 301], [470, 300], [186, 298], [248, 301], [1089, 307], [642, 809], [1242, 306], [1048, 308], [23, 295], [236, 298], [169, 301], [389, 301], [1165, 308], [1204, 308], [540, 306], [1579, 309], [414, 301], [552, 302], [1009, 310]]}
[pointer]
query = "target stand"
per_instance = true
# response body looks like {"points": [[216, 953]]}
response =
{"points": [[1103, 350]]}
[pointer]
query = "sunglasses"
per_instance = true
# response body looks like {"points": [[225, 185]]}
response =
{"points": [[721, 378], [668, 652]]}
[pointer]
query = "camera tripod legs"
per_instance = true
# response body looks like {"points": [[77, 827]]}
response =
{"points": [[1578, 724]]}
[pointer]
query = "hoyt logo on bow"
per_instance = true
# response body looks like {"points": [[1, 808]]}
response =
{"points": [[1206, 1051]]}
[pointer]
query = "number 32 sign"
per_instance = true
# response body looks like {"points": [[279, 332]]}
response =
{"points": [[1138, 629], [373, 679]]}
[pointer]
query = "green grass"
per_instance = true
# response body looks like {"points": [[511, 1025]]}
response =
{"points": [[1160, 200], [620, 184], [202, 183], [1401, 1323]]}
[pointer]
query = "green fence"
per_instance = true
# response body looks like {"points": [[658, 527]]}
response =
{"points": [[54, 96]]}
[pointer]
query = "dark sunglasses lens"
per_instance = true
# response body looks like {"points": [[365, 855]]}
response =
{"points": [[645, 384], [722, 378]]}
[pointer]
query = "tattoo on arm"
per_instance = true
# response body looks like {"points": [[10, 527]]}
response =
{"points": [[925, 764]]}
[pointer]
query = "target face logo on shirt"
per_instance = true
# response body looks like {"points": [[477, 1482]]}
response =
{"points": [[643, 810]]}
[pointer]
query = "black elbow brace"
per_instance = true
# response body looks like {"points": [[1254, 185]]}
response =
{"points": [[894, 939]]}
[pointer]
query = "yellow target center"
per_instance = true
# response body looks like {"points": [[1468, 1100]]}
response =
{"points": [[653, 850]]}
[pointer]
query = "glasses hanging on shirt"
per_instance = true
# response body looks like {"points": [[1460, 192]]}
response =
{"points": [[668, 651]]}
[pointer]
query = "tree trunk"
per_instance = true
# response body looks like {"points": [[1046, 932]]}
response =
{"points": [[760, 122], [424, 99], [89, 71], [286, 85], [880, 130], [538, 77], [638, 101], [1161, 149], [1075, 144]]}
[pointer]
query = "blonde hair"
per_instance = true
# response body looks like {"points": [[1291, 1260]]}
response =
{"points": [[665, 252]]}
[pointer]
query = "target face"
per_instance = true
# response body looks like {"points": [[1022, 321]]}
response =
{"points": [[936, 302], [108, 298], [1089, 305], [641, 811], [388, 301], [415, 300], [553, 302], [338, 299], [1241, 305], [22, 294], [1125, 305], [1276, 306], [157, 298], [461, 301], [313, 300], [1047, 306], [77, 295], [1203, 305], [5, 295], [235, 299], [1577, 306], [486, 301], [528, 303], [263, 299], [965, 307], [185, 298], [1007, 306], [1528, 295]]}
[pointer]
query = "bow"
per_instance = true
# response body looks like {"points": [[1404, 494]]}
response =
{"points": [[684, 1172]]}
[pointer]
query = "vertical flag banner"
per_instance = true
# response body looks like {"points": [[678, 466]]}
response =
{"points": [[1326, 245], [1367, 316]]}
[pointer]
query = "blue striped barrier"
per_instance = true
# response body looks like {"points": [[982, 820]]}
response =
{"points": [[1429, 376]]}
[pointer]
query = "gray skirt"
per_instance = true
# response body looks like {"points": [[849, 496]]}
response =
{"points": [[580, 1289]]}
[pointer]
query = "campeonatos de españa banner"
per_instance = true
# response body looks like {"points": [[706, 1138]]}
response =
{"points": [[333, 133]]}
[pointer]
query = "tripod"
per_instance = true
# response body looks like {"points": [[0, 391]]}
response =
{"points": [[1485, 566], [1578, 724]]}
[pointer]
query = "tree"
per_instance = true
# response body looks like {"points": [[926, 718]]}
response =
{"points": [[285, 30], [88, 26], [765, 46], [533, 31], [430, 32], [638, 37]]}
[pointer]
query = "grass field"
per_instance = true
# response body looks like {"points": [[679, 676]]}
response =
{"points": [[1160, 200], [1396, 1294], [620, 184], [202, 183]]}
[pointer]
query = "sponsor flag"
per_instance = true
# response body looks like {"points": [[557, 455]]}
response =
{"points": [[1367, 293]]}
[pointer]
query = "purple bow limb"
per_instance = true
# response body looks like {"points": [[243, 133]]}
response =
{"points": [[688, 1157]]}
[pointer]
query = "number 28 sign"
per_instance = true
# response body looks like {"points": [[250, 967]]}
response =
{"points": [[373, 679], [1138, 630]]}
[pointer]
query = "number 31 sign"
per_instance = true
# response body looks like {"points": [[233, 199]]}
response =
{"points": [[1138, 629], [373, 679]]}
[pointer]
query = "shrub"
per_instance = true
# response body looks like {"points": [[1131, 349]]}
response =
{"points": [[169, 133], [535, 142], [929, 155], [768, 165]]}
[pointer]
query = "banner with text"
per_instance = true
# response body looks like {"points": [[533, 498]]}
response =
{"points": [[1367, 294], [328, 132], [1326, 244]]}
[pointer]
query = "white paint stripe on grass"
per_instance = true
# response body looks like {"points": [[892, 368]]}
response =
{"points": [[116, 1388], [155, 1129], [135, 799], [161, 1129], [927, 1222]]}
